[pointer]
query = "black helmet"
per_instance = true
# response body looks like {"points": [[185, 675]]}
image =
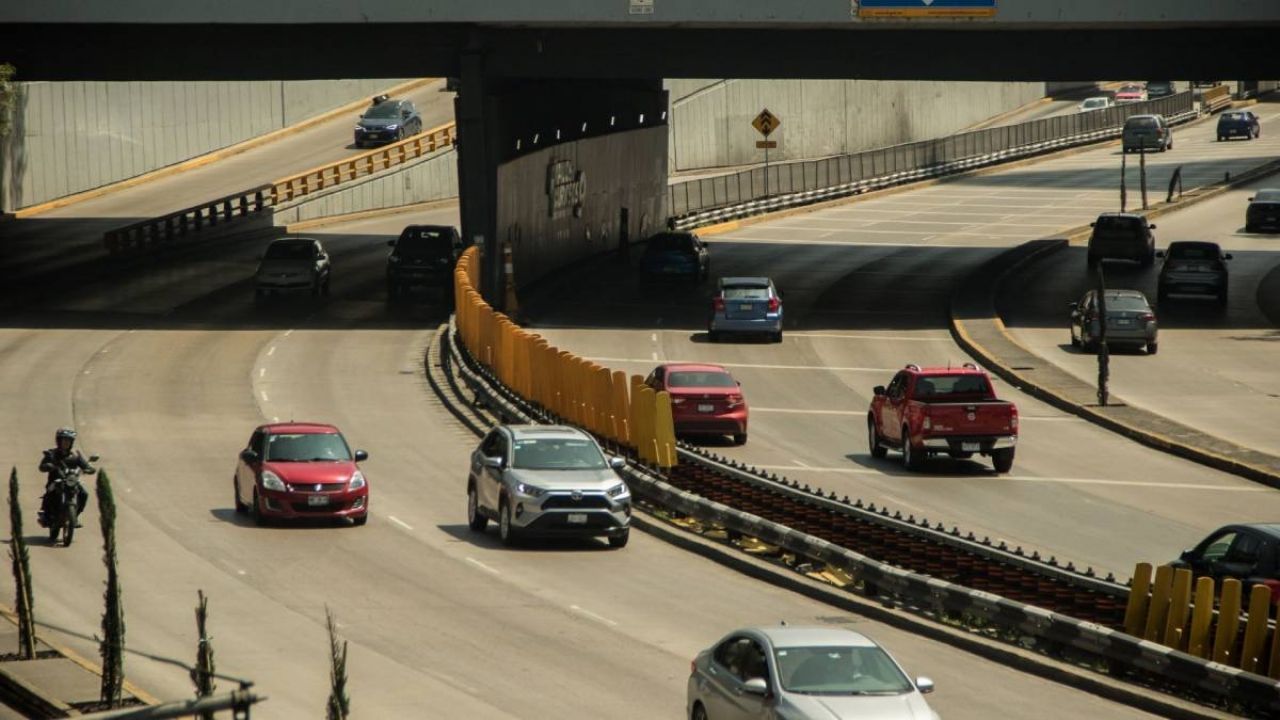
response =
{"points": [[64, 432]]}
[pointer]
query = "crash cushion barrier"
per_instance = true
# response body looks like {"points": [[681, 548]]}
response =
{"points": [[1215, 98], [1175, 609], [622, 410], [160, 230]]}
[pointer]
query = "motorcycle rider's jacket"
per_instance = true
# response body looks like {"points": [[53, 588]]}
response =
{"points": [[55, 461]]}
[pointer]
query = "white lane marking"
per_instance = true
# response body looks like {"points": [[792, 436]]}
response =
{"points": [[654, 337], [275, 418], [638, 361], [264, 396], [262, 372], [802, 464], [271, 351], [653, 355], [1050, 418], [288, 333], [400, 522], [849, 336], [86, 372], [482, 566], [803, 411], [1027, 478], [593, 616]]}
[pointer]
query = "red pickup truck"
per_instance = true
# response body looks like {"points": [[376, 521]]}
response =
{"points": [[928, 411]]}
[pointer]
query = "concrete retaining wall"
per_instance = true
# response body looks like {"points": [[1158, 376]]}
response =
{"points": [[434, 177], [589, 181], [75, 136], [711, 119]]}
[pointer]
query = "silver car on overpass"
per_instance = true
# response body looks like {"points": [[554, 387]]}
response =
{"points": [[819, 673]]}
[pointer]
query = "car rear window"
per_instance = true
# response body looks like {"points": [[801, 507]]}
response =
{"points": [[421, 241], [1126, 302], [1233, 116], [298, 250], [746, 292], [1117, 225], [307, 447], [668, 242], [700, 378], [1192, 252], [1267, 196], [944, 385], [557, 454], [1144, 123]]}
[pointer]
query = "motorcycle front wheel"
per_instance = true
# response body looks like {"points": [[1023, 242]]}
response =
{"points": [[72, 516]]}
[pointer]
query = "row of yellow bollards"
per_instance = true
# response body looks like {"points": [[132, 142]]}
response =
{"points": [[1171, 610], [606, 402]]}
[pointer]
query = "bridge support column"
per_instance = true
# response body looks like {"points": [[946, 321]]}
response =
{"points": [[476, 116]]}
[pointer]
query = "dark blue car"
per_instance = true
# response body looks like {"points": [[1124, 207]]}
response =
{"points": [[676, 255], [1238, 123]]}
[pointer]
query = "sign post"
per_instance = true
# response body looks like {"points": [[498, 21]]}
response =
{"points": [[765, 123]]}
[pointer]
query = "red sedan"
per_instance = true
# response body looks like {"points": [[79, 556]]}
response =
{"points": [[291, 471], [705, 399]]}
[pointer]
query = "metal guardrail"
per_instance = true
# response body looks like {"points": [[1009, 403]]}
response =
{"points": [[1214, 99], [916, 565], [246, 203], [709, 200]]}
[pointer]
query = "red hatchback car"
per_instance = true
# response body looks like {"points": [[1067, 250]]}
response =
{"points": [[705, 399], [291, 471]]}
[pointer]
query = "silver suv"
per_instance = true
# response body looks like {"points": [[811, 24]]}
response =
{"points": [[548, 481]]}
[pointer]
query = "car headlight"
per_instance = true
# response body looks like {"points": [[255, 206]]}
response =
{"points": [[357, 481], [530, 490], [392, 127], [393, 259], [617, 490], [360, 128], [272, 481]]}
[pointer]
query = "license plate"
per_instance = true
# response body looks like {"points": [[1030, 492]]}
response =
{"points": [[746, 307], [374, 136], [706, 408], [1271, 219], [318, 500], [1124, 321], [577, 518], [970, 447]]}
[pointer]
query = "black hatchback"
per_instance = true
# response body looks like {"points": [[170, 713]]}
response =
{"points": [[1263, 212], [1248, 552], [1193, 268], [423, 255], [1160, 88], [1238, 123]]}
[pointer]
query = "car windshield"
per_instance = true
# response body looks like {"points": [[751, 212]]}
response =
{"points": [[839, 670], [1192, 252], [671, 242], [1116, 225], [1159, 85], [307, 447], [1140, 122], [1233, 116], [1130, 89], [423, 242], [383, 111], [1267, 196], [1095, 102], [1126, 302], [557, 454], [700, 378], [298, 250], [746, 292], [950, 385]]}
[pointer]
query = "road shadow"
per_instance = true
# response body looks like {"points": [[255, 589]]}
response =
{"points": [[489, 539], [243, 520]]}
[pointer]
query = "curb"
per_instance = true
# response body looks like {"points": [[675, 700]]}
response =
{"points": [[1035, 249], [212, 156], [1001, 653]]}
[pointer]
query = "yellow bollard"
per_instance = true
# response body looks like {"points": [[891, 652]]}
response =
{"points": [[619, 402], [1255, 631], [1224, 637], [1179, 608], [601, 380], [1159, 609], [1135, 613], [1201, 617], [1273, 662], [642, 407], [664, 429]]}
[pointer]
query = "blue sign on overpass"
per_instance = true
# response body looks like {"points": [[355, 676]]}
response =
{"points": [[926, 8]]}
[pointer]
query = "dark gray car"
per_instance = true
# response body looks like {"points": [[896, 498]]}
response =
{"points": [[1130, 321], [1193, 268], [387, 121], [1146, 132], [1121, 236]]}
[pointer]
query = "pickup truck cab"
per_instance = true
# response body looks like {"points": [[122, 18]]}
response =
{"points": [[929, 411]]}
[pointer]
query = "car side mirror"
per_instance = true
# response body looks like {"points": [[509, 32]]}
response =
{"points": [[1151, 227], [1092, 224], [1186, 555], [361, 456], [878, 390], [1250, 199], [93, 458], [617, 463], [739, 382], [249, 456], [494, 462], [1227, 256], [756, 686], [782, 294], [924, 685]]}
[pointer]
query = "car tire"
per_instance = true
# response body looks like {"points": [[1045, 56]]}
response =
{"points": [[324, 289], [255, 511], [740, 439], [699, 712], [1222, 297], [1220, 138], [361, 521], [1075, 341], [1152, 348], [873, 440], [1002, 459], [777, 337], [241, 508], [1250, 228], [506, 532], [912, 458], [619, 541], [1162, 296], [1091, 262], [315, 286], [476, 520], [713, 336]]}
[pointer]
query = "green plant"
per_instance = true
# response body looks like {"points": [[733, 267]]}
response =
{"points": [[202, 674], [111, 646], [25, 604], [339, 703]]}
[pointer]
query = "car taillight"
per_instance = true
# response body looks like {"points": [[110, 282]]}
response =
{"points": [[717, 304], [1146, 317], [928, 422], [774, 304], [1013, 419], [735, 401]]}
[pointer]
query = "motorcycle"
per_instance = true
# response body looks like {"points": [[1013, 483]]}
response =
{"points": [[64, 505]]}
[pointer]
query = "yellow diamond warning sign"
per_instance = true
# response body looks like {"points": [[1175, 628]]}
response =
{"points": [[766, 122]]}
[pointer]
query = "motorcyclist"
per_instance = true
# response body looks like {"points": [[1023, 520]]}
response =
{"points": [[55, 462]]}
